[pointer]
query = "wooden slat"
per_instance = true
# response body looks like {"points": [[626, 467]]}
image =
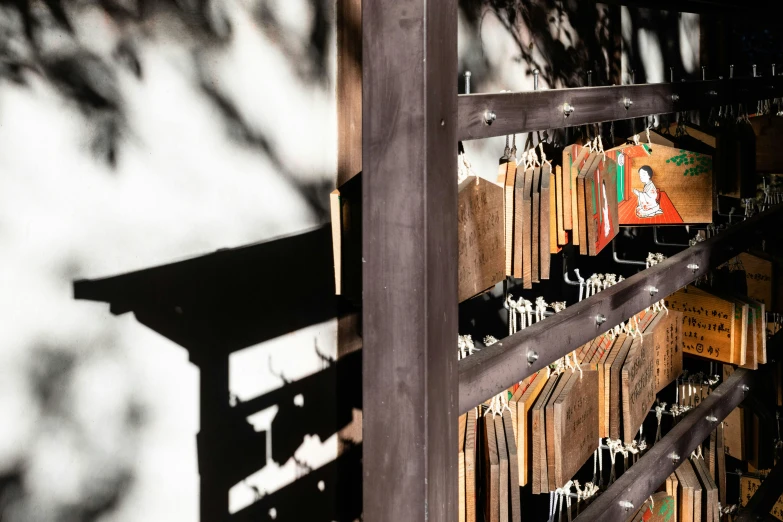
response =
{"points": [[470, 467], [504, 474], [513, 462], [545, 214]]}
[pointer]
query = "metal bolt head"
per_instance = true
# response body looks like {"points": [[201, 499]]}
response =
{"points": [[675, 97], [627, 102], [568, 109], [652, 290], [693, 267], [745, 388], [627, 506], [674, 457], [600, 319], [489, 117], [532, 357], [712, 418]]}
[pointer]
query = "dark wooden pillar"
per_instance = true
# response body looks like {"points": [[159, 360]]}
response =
{"points": [[409, 253]]}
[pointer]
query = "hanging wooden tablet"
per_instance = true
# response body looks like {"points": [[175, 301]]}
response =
{"points": [[659, 185], [685, 494], [615, 389], [463, 419], [720, 464], [769, 132], [672, 488], [540, 475], [554, 246], [346, 214], [520, 409], [667, 340], [638, 380], [581, 209], [543, 221], [734, 433], [708, 325], [576, 167], [575, 425], [572, 155], [604, 367], [515, 506], [503, 475], [470, 466], [752, 347], [508, 174], [557, 205], [491, 472], [690, 483], [704, 135], [535, 225], [605, 348], [709, 501], [337, 237], [660, 509], [480, 236], [601, 204], [549, 427], [748, 488], [523, 229], [759, 275]]}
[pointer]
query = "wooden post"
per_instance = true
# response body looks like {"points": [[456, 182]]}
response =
{"points": [[409, 153]]}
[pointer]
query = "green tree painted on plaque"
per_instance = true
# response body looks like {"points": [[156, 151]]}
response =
{"points": [[697, 163]]}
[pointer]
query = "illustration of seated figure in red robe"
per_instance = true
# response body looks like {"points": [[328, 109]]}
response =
{"points": [[648, 198]]}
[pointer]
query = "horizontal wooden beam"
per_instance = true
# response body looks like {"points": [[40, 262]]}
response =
{"points": [[699, 6], [518, 112], [645, 477], [495, 368]]}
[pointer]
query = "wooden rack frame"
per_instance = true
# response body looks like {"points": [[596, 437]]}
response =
{"points": [[412, 118]]}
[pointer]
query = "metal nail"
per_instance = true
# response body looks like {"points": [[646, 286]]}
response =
{"points": [[703, 72], [467, 82], [535, 79], [675, 97], [600, 319], [627, 506], [712, 418], [745, 388], [568, 109], [693, 267], [489, 117], [627, 102], [532, 357], [652, 290], [674, 457]]}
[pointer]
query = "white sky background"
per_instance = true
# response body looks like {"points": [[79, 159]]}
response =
{"points": [[182, 187]]}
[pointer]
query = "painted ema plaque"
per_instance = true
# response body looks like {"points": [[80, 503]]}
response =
{"points": [[638, 381], [481, 237]]}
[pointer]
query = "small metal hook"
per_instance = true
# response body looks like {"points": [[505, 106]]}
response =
{"points": [[625, 261]]}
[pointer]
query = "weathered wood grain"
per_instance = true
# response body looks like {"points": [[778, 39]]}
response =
{"points": [[492, 471], [470, 466], [638, 380], [575, 425], [508, 171], [515, 506], [535, 224], [503, 475], [463, 419], [545, 216]]}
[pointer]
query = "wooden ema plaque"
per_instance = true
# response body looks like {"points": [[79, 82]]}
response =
{"points": [[491, 471], [708, 325], [720, 464], [470, 466], [661, 509], [571, 155], [575, 425], [709, 501], [507, 177], [660, 185], [667, 340], [638, 380], [480, 236], [535, 224], [576, 167], [759, 275], [734, 433], [605, 347], [581, 200], [554, 245], [748, 488], [520, 405], [561, 236], [769, 131], [672, 487], [545, 213], [523, 227], [690, 494], [463, 419], [515, 505], [601, 204], [540, 475], [503, 475], [752, 341]]}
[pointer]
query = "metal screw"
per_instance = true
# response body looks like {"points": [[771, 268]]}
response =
{"points": [[674, 457], [627, 102], [671, 74], [731, 71], [745, 388], [589, 78], [627, 506], [467, 82], [568, 109], [712, 418], [703, 72], [712, 93], [489, 117], [693, 267], [652, 290], [535, 79], [675, 97], [600, 319], [532, 357], [773, 69], [754, 70]]}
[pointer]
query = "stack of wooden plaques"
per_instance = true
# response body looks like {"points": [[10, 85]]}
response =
{"points": [[500, 469], [722, 328], [528, 195], [597, 204], [466, 463]]}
